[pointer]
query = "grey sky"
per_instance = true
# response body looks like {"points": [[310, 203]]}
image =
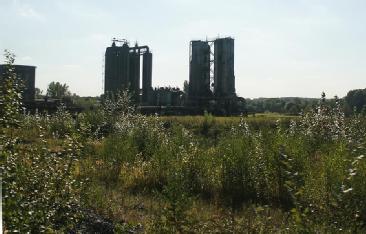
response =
{"points": [[282, 48]]}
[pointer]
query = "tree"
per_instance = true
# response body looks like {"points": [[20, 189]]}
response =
{"points": [[38, 93], [292, 108], [186, 87], [58, 90], [10, 93], [356, 99]]}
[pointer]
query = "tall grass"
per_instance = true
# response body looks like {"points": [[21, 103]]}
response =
{"points": [[311, 168], [304, 174]]}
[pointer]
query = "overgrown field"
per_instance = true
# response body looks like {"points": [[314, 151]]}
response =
{"points": [[155, 176], [114, 170]]}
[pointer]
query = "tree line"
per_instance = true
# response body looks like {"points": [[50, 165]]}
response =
{"points": [[353, 102]]}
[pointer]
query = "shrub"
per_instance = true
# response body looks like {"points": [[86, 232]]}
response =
{"points": [[40, 190]]}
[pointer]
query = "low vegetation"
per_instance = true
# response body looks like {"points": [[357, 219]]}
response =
{"points": [[205, 174]]}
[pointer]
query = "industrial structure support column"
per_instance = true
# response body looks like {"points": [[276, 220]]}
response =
{"points": [[146, 77]]}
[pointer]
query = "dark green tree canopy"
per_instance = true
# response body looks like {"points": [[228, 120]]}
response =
{"points": [[185, 87], [58, 90], [356, 99], [38, 93]]}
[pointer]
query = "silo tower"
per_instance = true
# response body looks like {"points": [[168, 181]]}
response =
{"points": [[117, 67], [224, 78], [199, 72], [123, 70]]}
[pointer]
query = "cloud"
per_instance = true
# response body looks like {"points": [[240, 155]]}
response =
{"points": [[81, 11], [26, 58], [99, 38], [71, 66], [28, 12]]}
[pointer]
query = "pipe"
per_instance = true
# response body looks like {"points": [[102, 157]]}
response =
{"points": [[140, 48]]}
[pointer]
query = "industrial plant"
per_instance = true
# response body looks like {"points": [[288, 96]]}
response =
{"points": [[211, 79], [122, 70], [211, 85], [211, 76]]}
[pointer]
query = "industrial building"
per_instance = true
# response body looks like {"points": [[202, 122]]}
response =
{"points": [[27, 75], [224, 78], [211, 75], [199, 72], [122, 70], [211, 85], [211, 78]]}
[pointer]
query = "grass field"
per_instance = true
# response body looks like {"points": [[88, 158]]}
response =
{"points": [[113, 170], [185, 174]]}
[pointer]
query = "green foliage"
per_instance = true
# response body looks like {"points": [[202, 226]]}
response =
{"points": [[290, 105], [40, 189], [58, 90], [208, 122], [356, 99], [308, 167], [61, 123], [38, 93], [10, 94], [87, 103], [173, 216], [186, 87], [197, 174]]}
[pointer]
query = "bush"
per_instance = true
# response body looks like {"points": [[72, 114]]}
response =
{"points": [[40, 189]]}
